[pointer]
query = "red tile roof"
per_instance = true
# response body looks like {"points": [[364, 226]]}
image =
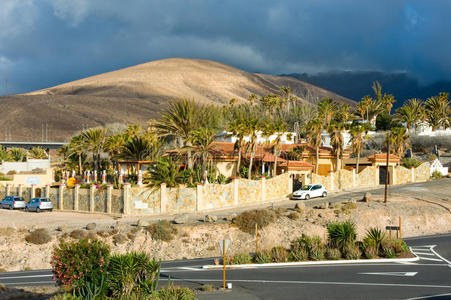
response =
{"points": [[383, 156]]}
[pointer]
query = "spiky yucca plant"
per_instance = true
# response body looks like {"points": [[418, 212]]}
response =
{"points": [[341, 233]]}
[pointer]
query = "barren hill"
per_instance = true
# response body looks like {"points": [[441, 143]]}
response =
{"points": [[136, 94]]}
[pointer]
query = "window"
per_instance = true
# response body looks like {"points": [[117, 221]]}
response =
{"points": [[45, 200]]}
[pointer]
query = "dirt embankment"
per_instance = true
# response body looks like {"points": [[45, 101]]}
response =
{"points": [[201, 240]]}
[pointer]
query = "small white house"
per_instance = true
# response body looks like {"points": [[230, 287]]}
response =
{"points": [[437, 166]]}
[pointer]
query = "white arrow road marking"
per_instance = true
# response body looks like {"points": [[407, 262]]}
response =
{"points": [[410, 274], [421, 253], [432, 259]]}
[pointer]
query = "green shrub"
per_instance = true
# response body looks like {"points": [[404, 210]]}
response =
{"points": [[300, 248], [39, 237], [341, 233], [298, 254], [173, 293], [332, 253], [316, 251], [374, 237], [12, 172], [371, 252], [247, 220], [279, 254], [221, 179], [392, 247], [351, 251], [162, 231], [78, 264], [263, 257], [436, 175], [2, 178], [133, 272], [207, 288], [241, 259], [410, 162]]}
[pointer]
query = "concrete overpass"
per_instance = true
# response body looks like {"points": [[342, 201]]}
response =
{"points": [[29, 145]]}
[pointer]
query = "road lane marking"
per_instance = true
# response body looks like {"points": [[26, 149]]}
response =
{"points": [[25, 276], [418, 253], [317, 282], [431, 259], [430, 296], [444, 259], [410, 274]]}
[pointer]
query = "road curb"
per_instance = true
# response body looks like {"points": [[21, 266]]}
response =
{"points": [[324, 262]]}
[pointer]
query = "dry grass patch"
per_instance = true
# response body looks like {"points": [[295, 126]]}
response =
{"points": [[78, 234], [294, 215], [39, 237], [247, 220], [162, 231]]}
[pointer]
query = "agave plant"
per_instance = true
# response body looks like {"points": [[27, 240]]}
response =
{"points": [[3, 154], [17, 154], [341, 234], [37, 153], [374, 237], [133, 272], [166, 171]]}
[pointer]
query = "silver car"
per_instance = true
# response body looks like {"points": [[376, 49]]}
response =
{"points": [[38, 204], [12, 202]]}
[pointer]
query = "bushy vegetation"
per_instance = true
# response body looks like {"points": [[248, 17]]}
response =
{"points": [[162, 231], [436, 175], [39, 237], [341, 234], [410, 162], [87, 270], [262, 217]]}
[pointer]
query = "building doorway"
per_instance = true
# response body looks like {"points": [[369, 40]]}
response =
{"points": [[38, 193], [383, 174]]}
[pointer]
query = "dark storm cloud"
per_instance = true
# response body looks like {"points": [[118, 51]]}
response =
{"points": [[46, 42]]}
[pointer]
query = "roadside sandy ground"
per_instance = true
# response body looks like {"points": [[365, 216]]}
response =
{"points": [[198, 239]]}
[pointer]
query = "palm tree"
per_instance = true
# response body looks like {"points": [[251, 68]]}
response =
{"points": [[374, 108], [287, 97], [326, 110], [113, 145], [252, 98], [387, 102], [278, 128], [411, 113], [202, 140], [398, 139], [178, 121], [362, 107], [359, 136], [37, 153], [94, 141], [138, 148], [314, 135], [238, 130], [251, 128], [166, 171], [335, 130], [77, 147], [438, 111]]}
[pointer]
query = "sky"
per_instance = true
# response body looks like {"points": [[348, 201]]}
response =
{"points": [[47, 42]]}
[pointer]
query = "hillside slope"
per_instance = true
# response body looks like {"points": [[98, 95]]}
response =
{"points": [[136, 94]]}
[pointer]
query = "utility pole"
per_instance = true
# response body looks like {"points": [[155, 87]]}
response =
{"points": [[386, 171]]}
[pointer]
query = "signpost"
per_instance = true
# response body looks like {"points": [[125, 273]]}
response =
{"points": [[223, 245], [397, 228]]}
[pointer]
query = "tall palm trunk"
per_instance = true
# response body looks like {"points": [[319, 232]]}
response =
{"points": [[317, 160], [79, 164], [276, 154], [204, 165], [237, 171], [358, 161], [249, 173]]}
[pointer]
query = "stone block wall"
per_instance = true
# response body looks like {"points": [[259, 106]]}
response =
{"points": [[181, 200], [403, 175], [367, 177], [216, 195], [422, 173]]}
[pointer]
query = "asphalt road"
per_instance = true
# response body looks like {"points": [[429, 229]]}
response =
{"points": [[426, 278]]}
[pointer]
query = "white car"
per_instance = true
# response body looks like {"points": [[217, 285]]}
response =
{"points": [[310, 191]]}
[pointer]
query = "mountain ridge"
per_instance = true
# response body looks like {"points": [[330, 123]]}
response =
{"points": [[138, 93]]}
